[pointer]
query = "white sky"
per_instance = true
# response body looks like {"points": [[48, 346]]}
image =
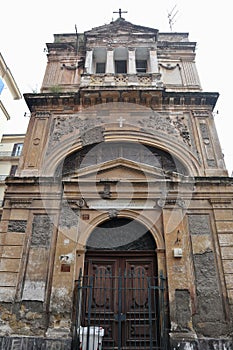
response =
{"points": [[26, 27]]}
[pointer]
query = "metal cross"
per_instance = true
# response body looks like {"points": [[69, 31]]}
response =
{"points": [[121, 120], [120, 12]]}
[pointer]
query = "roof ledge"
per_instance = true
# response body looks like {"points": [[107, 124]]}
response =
{"points": [[5, 73]]}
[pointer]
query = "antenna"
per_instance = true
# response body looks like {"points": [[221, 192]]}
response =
{"points": [[77, 46], [171, 17]]}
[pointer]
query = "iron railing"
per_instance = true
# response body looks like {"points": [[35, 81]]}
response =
{"points": [[130, 308]]}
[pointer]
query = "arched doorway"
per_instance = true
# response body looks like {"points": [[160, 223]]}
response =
{"points": [[120, 289]]}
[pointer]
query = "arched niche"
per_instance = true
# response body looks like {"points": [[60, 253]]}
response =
{"points": [[100, 153]]}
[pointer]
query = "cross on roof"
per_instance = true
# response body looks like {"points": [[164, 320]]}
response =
{"points": [[120, 12]]}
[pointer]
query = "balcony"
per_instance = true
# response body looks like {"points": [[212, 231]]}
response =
{"points": [[117, 80], [3, 177], [9, 154]]}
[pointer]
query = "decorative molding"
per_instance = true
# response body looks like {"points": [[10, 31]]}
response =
{"points": [[113, 213], [17, 225], [42, 230], [174, 126], [169, 66], [36, 141], [20, 203], [68, 217], [91, 129], [200, 114], [179, 123], [81, 203], [75, 66], [42, 114], [68, 124], [181, 203], [219, 203], [94, 135], [207, 144], [106, 193], [162, 202], [159, 123], [199, 224], [96, 79]]}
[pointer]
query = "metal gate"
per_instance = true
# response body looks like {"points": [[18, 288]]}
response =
{"points": [[130, 307]]}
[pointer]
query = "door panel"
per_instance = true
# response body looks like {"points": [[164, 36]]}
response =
{"points": [[122, 298], [100, 273]]}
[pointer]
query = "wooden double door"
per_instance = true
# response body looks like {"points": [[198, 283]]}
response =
{"points": [[121, 293]]}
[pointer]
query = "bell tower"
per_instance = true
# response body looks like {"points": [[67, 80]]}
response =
{"points": [[121, 169]]}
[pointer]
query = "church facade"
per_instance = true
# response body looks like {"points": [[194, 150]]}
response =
{"points": [[120, 215]]}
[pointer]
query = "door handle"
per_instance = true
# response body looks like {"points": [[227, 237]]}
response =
{"points": [[120, 317]]}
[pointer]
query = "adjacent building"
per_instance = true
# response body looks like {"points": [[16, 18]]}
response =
{"points": [[7, 78], [120, 214], [10, 150]]}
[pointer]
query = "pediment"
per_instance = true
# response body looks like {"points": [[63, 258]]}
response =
{"points": [[120, 169], [121, 26]]}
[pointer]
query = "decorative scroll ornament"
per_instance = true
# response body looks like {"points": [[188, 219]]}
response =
{"points": [[92, 128], [169, 66], [174, 126], [112, 213], [20, 203], [179, 124], [161, 202], [75, 66], [64, 125]]}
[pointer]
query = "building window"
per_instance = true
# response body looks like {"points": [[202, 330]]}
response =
{"points": [[141, 66], [121, 66], [17, 149], [13, 170], [100, 67]]}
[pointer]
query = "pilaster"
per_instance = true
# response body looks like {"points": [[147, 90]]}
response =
{"points": [[179, 274], [89, 61], [153, 61], [110, 61], [131, 61]]}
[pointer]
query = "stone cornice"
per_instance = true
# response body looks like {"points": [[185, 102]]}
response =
{"points": [[176, 44], [214, 180], [150, 97]]}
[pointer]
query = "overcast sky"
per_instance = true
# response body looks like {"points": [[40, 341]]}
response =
{"points": [[26, 27]]}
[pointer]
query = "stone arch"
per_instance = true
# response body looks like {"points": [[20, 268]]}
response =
{"points": [[125, 234], [88, 127], [183, 155], [132, 215]]}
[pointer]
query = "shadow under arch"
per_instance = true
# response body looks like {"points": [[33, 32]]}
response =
{"points": [[100, 153], [146, 224], [120, 234], [124, 235]]}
